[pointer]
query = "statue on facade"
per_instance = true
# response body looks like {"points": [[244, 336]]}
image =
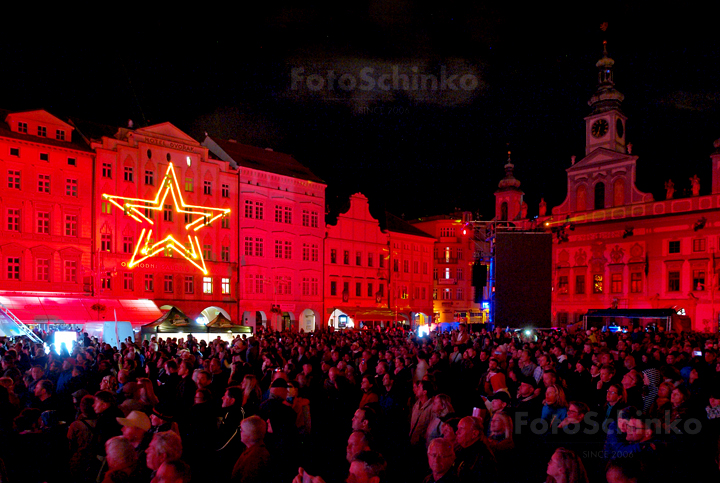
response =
{"points": [[523, 210], [695, 183], [669, 189], [543, 207]]}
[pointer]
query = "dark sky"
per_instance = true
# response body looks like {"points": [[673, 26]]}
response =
{"points": [[228, 73]]}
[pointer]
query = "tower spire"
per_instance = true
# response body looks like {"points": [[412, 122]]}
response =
{"points": [[509, 181], [606, 97]]}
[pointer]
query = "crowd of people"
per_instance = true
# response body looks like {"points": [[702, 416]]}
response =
{"points": [[365, 406]]}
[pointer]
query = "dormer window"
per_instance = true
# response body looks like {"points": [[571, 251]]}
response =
{"points": [[22, 127], [60, 135], [42, 131]]}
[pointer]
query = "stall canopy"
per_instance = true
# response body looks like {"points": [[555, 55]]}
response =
{"points": [[176, 322], [223, 324], [669, 317], [69, 310], [371, 313]]}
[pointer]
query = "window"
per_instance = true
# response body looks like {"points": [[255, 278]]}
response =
{"points": [[188, 217], [105, 242], [315, 253], [333, 288], [225, 222], [461, 275], [259, 210], [306, 252], [636, 282], [616, 285], [580, 284], [446, 295], [207, 187], [22, 127], [563, 284], [106, 207], [447, 232], [597, 283], [70, 271], [149, 282], [189, 184], [15, 152], [314, 219], [167, 213], [128, 174], [288, 215], [370, 259], [460, 254], [13, 219], [127, 244], [425, 268], [43, 270], [225, 286], [207, 251], [435, 273], [13, 269], [447, 273], [248, 209], [71, 187], [381, 290], [333, 255], [305, 286], [259, 244], [225, 191], [416, 267], [225, 253], [278, 249], [284, 285], [13, 179], [128, 282], [259, 284], [346, 289], [673, 281], [435, 294], [424, 293], [42, 131], [699, 280], [370, 290], [107, 170], [44, 183], [305, 218], [346, 257], [358, 258], [106, 282], [168, 283], [674, 246], [460, 294], [698, 245], [71, 225], [288, 250], [72, 162], [149, 177], [43, 222], [44, 157], [314, 286], [278, 214], [60, 135], [406, 266], [189, 284], [600, 196], [396, 265], [381, 262], [248, 246]]}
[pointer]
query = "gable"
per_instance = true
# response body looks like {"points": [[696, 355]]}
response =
{"points": [[39, 116], [167, 130], [602, 158]]}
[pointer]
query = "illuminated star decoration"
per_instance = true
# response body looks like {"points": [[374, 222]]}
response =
{"points": [[138, 209]]}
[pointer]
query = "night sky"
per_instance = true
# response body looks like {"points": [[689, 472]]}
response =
{"points": [[414, 153]]}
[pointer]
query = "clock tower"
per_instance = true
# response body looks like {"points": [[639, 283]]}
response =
{"points": [[605, 126]]}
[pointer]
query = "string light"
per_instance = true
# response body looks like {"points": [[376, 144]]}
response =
{"points": [[137, 209]]}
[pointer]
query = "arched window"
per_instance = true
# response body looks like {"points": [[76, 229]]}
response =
{"points": [[580, 198], [504, 211], [619, 192], [600, 196]]}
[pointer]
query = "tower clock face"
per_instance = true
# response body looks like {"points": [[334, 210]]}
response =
{"points": [[619, 128], [599, 128]]}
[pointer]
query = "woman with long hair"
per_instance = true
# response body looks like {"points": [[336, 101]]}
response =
{"points": [[555, 404], [252, 395], [566, 467]]}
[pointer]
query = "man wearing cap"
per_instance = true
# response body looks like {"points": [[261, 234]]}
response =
{"points": [[499, 402]]}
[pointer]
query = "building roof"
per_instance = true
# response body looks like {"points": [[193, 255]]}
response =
{"points": [[77, 142], [264, 160], [398, 225]]}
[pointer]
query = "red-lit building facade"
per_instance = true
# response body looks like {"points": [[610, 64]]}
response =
{"points": [[280, 231], [373, 274], [453, 257], [617, 247]]}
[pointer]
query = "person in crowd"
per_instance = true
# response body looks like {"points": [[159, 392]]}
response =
{"points": [[254, 463], [566, 467], [442, 409], [165, 446], [476, 462], [555, 405], [175, 471], [441, 458], [122, 461]]}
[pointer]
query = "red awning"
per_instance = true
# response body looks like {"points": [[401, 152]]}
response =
{"points": [[372, 313], [69, 310]]}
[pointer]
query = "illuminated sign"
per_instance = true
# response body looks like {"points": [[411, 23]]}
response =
{"points": [[139, 210]]}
